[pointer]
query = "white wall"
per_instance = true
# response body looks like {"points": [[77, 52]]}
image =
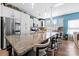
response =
{"points": [[60, 22], [54, 24]]}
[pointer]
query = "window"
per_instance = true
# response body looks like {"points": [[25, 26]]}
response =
{"points": [[73, 26]]}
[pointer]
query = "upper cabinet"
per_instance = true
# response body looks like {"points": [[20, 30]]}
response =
{"points": [[25, 23], [7, 12], [19, 18], [17, 14]]}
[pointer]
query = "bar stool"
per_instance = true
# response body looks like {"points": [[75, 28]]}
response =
{"points": [[59, 38], [53, 41], [41, 49], [54, 44], [61, 35]]}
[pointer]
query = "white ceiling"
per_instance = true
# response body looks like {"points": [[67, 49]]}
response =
{"points": [[40, 9]]}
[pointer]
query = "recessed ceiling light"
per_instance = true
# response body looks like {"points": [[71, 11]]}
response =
{"points": [[23, 3], [58, 4], [32, 5]]}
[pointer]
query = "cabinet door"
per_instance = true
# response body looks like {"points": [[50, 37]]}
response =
{"points": [[11, 13], [25, 25], [31, 22], [7, 12], [17, 16]]}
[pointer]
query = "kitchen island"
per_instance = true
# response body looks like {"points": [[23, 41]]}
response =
{"points": [[23, 43]]}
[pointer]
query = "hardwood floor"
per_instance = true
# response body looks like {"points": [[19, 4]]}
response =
{"points": [[68, 48], [4, 53]]}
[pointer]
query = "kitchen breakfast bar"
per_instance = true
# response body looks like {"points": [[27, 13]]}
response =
{"points": [[21, 44]]}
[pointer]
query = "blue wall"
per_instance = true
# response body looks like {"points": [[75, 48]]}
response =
{"points": [[57, 18], [67, 17]]}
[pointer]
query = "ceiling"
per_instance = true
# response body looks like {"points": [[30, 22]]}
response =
{"points": [[43, 10]]}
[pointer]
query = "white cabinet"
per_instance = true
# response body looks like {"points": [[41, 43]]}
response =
{"points": [[31, 22], [25, 23], [17, 16], [7, 12], [11, 13], [22, 24]]}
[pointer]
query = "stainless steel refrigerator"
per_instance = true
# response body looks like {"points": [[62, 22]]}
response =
{"points": [[6, 28], [1, 33]]}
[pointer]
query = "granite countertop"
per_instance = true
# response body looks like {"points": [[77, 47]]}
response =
{"points": [[23, 43]]}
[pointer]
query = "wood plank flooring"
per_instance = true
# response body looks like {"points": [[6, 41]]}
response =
{"points": [[68, 48], [4, 53]]}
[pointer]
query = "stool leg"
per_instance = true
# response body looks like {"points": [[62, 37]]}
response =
{"points": [[37, 52]]}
